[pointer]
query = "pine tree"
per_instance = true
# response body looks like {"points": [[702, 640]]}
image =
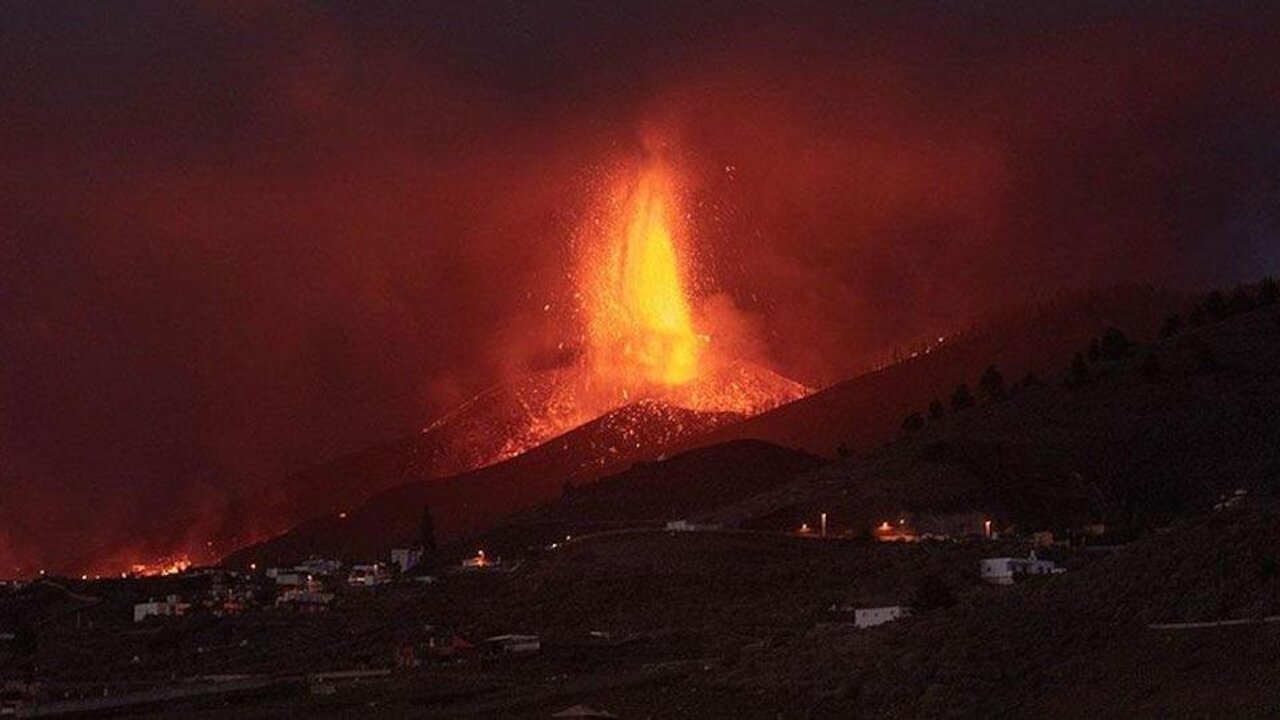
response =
{"points": [[936, 411], [992, 382], [1079, 369]]}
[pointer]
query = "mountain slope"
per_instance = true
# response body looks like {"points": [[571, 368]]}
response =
{"points": [[866, 411], [1132, 446], [469, 503], [685, 486]]}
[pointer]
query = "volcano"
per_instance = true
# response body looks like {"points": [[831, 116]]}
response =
{"points": [[641, 340], [645, 377]]}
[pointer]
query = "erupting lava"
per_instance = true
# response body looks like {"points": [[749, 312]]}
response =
{"points": [[640, 342], [640, 333]]}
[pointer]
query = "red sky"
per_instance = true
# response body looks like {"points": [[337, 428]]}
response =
{"points": [[240, 238]]}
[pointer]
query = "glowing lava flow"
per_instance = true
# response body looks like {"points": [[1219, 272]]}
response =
{"points": [[640, 332], [640, 345]]}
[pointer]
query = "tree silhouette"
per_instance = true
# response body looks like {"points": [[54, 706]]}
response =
{"points": [[1215, 306], [1031, 380], [1268, 292], [992, 382], [961, 398], [427, 537], [1196, 318], [1095, 350], [1240, 302], [1114, 344], [1151, 369], [1206, 362], [1079, 369], [936, 411], [913, 422], [1171, 326]]}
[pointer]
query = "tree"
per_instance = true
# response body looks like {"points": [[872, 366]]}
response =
{"points": [[1268, 292], [913, 422], [427, 538], [1031, 380], [1205, 360], [1095, 350], [1114, 344], [961, 398], [1171, 326], [1196, 318], [992, 382], [936, 411], [1240, 302], [1151, 369], [1079, 370], [843, 451], [1215, 306]]}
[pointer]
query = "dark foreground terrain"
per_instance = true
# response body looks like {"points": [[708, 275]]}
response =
{"points": [[740, 624]]}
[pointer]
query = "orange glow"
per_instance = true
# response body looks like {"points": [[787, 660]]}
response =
{"points": [[167, 566], [640, 331], [637, 335]]}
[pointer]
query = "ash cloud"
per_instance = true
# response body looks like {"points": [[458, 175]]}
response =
{"points": [[241, 239]]}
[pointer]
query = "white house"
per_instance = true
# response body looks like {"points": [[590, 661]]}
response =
{"points": [[686, 526], [287, 578], [318, 566], [406, 558], [514, 644], [171, 605], [367, 575], [870, 617], [1003, 570]]}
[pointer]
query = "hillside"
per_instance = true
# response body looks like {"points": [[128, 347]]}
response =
{"points": [[685, 486], [864, 412], [472, 502], [1128, 447]]}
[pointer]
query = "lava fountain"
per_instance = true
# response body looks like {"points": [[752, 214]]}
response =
{"points": [[637, 341], [640, 335]]}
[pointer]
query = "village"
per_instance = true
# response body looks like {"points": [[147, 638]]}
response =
{"points": [[259, 609]]}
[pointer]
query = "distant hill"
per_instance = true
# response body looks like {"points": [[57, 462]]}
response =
{"points": [[1164, 431], [861, 414], [864, 412], [685, 486], [472, 502]]}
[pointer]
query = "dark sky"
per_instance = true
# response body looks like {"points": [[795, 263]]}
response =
{"points": [[238, 238]]}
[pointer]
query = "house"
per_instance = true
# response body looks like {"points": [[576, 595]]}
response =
{"points": [[406, 559], [583, 711], [285, 577], [368, 575], [513, 644], [1003, 570], [318, 566], [170, 606], [308, 599], [870, 617], [686, 526]]}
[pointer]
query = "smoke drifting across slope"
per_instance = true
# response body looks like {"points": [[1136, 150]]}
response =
{"points": [[240, 239]]}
